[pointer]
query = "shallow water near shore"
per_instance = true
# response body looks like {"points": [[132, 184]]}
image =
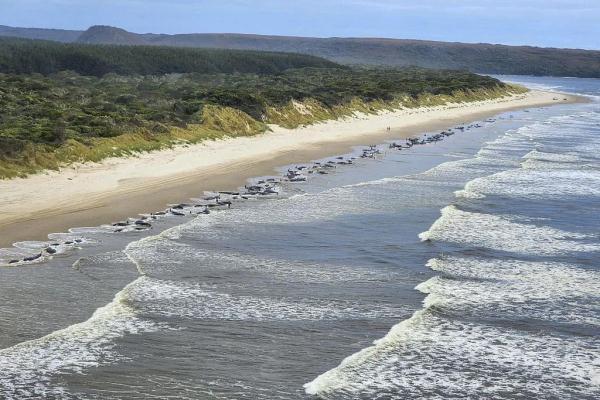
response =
{"points": [[283, 297]]}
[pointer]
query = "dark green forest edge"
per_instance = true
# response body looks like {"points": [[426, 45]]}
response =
{"points": [[67, 103], [475, 57]]}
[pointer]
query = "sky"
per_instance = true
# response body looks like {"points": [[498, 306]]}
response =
{"points": [[548, 23]]}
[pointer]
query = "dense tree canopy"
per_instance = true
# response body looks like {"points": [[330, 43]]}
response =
{"points": [[475, 57], [22, 56]]}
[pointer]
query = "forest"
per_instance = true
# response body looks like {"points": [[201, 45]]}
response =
{"points": [[475, 57], [24, 56]]}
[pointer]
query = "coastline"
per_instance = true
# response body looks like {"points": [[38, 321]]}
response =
{"points": [[93, 194]]}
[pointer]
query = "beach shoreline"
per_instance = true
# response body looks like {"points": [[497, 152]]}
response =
{"points": [[114, 189]]}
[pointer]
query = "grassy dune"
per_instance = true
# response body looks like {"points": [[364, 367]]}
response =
{"points": [[307, 112], [215, 122]]}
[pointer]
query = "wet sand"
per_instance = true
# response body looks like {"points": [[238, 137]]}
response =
{"points": [[95, 194]]}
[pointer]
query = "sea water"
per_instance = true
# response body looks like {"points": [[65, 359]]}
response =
{"points": [[466, 268]]}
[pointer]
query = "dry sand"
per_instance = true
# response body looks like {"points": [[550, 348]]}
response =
{"points": [[97, 193]]}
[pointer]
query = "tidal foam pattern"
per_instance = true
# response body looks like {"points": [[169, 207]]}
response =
{"points": [[511, 322]]}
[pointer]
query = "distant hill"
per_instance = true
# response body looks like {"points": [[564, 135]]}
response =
{"points": [[482, 58], [25, 56], [57, 35], [101, 34]]}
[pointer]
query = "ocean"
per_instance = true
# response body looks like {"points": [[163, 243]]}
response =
{"points": [[461, 268]]}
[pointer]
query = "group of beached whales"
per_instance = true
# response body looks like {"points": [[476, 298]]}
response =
{"points": [[261, 188]]}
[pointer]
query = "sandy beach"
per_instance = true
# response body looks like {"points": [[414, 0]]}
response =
{"points": [[93, 194]]}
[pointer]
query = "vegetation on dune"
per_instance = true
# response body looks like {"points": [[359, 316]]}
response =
{"points": [[49, 121]]}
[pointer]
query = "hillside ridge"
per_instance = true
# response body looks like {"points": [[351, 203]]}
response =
{"points": [[474, 57]]}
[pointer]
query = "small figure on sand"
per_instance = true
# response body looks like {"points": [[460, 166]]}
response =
{"points": [[389, 128]]}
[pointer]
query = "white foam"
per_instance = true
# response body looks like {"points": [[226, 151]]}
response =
{"points": [[185, 300], [535, 183], [548, 291], [538, 155], [161, 255], [432, 357], [27, 369], [504, 233]]}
